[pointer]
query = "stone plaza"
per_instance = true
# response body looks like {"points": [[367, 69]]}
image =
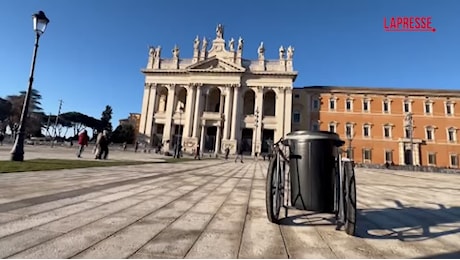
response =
{"points": [[214, 209]]}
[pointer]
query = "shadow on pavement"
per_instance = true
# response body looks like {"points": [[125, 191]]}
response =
{"points": [[453, 255], [408, 223]]}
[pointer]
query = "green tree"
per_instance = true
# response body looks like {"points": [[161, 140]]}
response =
{"points": [[35, 115], [105, 119], [123, 133]]}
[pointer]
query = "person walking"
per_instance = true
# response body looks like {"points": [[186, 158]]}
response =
{"points": [[227, 152], [197, 152], [82, 142], [239, 149], [102, 145]]}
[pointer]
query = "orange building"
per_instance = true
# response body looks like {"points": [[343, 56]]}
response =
{"points": [[400, 126], [134, 119]]}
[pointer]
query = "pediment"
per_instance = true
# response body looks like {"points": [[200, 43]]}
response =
{"points": [[215, 64]]}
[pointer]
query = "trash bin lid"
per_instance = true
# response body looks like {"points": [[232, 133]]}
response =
{"points": [[314, 135]]}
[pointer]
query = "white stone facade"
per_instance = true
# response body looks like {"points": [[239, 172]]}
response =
{"points": [[213, 98]]}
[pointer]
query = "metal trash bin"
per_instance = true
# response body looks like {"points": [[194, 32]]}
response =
{"points": [[312, 163]]}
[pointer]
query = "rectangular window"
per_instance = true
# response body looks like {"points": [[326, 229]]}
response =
{"points": [[366, 105], [332, 104], [388, 156], [451, 135], [348, 105], [386, 132], [367, 155], [386, 106], [454, 160], [432, 159], [366, 131], [449, 109], [427, 108], [296, 96], [348, 130], [406, 107], [332, 128], [429, 134], [296, 117], [315, 104]]}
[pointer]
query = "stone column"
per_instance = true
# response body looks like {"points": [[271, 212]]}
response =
{"points": [[279, 113], [169, 113], [227, 116], [189, 112], [151, 111], [196, 117], [144, 111], [218, 137], [221, 103], [202, 138], [288, 111], [235, 112], [260, 106]]}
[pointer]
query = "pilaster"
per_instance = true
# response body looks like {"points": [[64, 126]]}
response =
{"points": [[258, 130], [169, 113], [280, 113], [151, 111], [227, 111], [189, 111], [197, 112], [235, 114], [144, 111], [288, 110]]}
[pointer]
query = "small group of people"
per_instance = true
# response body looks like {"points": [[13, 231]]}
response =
{"points": [[101, 150]]}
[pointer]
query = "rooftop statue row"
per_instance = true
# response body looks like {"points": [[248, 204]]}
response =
{"points": [[226, 51]]}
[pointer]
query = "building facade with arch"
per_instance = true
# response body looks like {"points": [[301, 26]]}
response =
{"points": [[217, 98]]}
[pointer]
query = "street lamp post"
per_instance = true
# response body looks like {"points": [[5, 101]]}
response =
{"points": [[409, 124], [40, 21], [179, 136], [349, 150], [256, 124]]}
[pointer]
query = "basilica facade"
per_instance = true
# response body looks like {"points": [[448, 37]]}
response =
{"points": [[217, 98]]}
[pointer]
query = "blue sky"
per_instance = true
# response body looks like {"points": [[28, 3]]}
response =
{"points": [[92, 52]]}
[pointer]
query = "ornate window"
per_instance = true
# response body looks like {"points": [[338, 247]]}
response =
{"points": [[428, 107], [449, 108], [349, 130], [431, 159], [349, 104], [315, 104], [332, 103], [366, 105], [386, 106], [367, 155], [366, 130], [333, 127], [451, 135], [387, 131], [454, 160], [429, 133], [407, 106]]}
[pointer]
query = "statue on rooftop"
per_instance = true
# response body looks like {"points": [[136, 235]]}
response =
{"points": [[175, 52], [231, 44], [205, 45], [290, 52], [261, 50], [220, 31], [282, 51], [196, 43], [240, 43]]}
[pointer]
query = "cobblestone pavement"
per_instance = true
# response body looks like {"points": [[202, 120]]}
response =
{"points": [[216, 209]]}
